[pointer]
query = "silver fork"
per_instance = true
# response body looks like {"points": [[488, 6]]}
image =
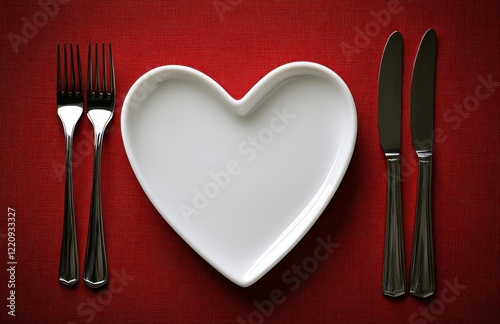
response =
{"points": [[100, 106], [69, 109]]}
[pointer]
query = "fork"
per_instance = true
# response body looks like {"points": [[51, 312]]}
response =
{"points": [[69, 109], [100, 106]]}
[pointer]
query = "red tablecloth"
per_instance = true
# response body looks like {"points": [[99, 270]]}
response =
{"points": [[155, 276]]}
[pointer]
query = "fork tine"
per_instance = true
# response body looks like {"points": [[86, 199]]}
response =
{"points": [[72, 69], [79, 90], [58, 69], [112, 71], [89, 72], [65, 70], [105, 78], [97, 88]]}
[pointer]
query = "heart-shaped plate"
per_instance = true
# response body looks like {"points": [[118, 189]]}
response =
{"points": [[241, 181]]}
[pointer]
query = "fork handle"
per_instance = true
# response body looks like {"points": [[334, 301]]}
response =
{"points": [[95, 267], [68, 262], [422, 263], [394, 278]]}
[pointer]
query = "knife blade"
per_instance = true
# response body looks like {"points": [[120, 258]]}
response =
{"points": [[422, 283], [389, 123]]}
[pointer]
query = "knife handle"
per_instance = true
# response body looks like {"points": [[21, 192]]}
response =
{"points": [[394, 277], [422, 282]]}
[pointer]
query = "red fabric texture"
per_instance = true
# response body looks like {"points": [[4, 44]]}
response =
{"points": [[155, 276]]}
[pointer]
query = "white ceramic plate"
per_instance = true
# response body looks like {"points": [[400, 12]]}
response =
{"points": [[241, 181]]}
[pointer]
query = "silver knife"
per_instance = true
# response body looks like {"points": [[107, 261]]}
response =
{"points": [[389, 123], [422, 283]]}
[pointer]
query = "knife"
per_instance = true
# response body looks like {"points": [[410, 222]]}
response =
{"points": [[422, 282], [389, 123]]}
